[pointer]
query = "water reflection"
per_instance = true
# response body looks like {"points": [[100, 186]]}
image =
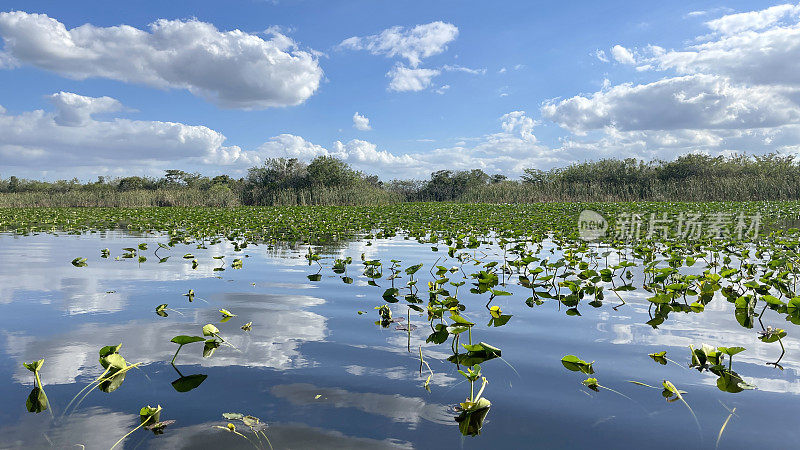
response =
{"points": [[401, 373], [40, 264], [280, 327], [409, 410], [92, 428], [340, 343], [292, 435], [717, 327]]}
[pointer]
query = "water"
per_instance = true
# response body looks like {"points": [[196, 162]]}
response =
{"points": [[323, 376]]}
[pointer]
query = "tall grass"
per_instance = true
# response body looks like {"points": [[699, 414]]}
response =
{"points": [[362, 195], [356, 196], [742, 188], [126, 199]]}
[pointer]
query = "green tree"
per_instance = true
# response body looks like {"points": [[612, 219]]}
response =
{"points": [[329, 171]]}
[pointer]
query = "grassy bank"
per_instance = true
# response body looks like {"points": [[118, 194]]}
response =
{"points": [[694, 189], [188, 197]]}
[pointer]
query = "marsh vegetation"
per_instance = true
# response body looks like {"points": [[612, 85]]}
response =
{"points": [[401, 325]]}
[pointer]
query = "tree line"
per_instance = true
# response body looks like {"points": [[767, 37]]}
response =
{"points": [[328, 180]]}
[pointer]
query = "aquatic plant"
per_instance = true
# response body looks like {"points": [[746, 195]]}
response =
{"points": [[37, 399], [148, 416], [474, 409], [183, 340], [253, 423]]}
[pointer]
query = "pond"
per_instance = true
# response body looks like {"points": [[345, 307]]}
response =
{"points": [[317, 366]]}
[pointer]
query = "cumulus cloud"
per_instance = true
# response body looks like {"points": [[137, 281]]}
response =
{"points": [[688, 102], [290, 146], [737, 89], [76, 110], [516, 122], [366, 154], [72, 137], [770, 56], [360, 154], [361, 122], [72, 141], [755, 47], [413, 44], [233, 69], [622, 55], [404, 79], [508, 151], [753, 20]]}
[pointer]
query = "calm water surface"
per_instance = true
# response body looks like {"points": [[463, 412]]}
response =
{"points": [[323, 376]]}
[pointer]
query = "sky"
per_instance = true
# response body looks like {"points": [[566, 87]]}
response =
{"points": [[396, 89]]}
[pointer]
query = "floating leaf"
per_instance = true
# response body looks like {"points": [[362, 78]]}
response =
{"points": [[79, 262], [160, 310], [183, 339], [575, 364]]}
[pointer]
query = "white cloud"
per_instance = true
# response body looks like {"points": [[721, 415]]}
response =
{"points": [[601, 55], [771, 56], [366, 154], [622, 55], [413, 44], [689, 102], [753, 20], [232, 68], [516, 122], [736, 90], [757, 47], [508, 151], [72, 138], [289, 146], [73, 142], [457, 68], [360, 154], [361, 122], [442, 89], [404, 79], [76, 110]]}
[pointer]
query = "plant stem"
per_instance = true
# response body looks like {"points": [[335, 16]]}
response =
{"points": [[176, 354], [131, 432], [87, 387]]}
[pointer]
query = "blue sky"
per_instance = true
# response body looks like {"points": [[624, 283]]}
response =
{"points": [[447, 84]]}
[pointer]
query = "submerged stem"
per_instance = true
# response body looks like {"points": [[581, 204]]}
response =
{"points": [[131, 432], [87, 387], [724, 424]]}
